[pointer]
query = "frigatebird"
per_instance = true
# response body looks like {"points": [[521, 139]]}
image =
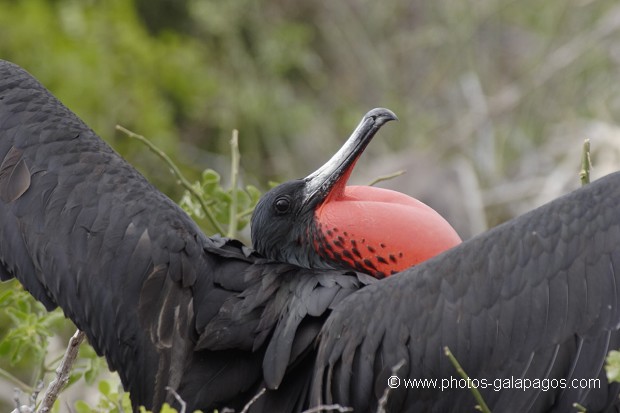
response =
{"points": [[533, 299]]}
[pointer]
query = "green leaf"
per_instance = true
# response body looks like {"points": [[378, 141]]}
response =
{"points": [[82, 407], [105, 388], [613, 366], [167, 409], [254, 193]]}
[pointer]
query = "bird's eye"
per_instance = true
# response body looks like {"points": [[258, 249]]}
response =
{"points": [[282, 205]]}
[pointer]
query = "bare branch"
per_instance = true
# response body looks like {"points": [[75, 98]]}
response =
{"points": [[19, 407], [62, 373], [178, 397], [253, 400], [234, 176], [328, 408], [586, 163], [383, 400]]}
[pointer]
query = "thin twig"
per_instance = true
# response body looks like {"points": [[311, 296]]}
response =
{"points": [[62, 373], [328, 407], [383, 400], [178, 397], [387, 177], [482, 405], [245, 213], [19, 408], [580, 408], [257, 396], [177, 172], [35, 394], [49, 365], [32, 406], [26, 388], [586, 163], [234, 174]]}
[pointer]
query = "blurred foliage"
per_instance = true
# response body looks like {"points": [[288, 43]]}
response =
{"points": [[504, 88], [112, 400], [101, 62], [206, 200], [219, 200], [26, 330], [32, 325]]}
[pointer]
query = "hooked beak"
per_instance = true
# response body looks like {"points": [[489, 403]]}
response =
{"points": [[332, 177]]}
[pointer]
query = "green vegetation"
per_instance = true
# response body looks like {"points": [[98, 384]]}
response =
{"points": [[612, 366], [481, 404]]}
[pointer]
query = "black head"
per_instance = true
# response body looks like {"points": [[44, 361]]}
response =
{"points": [[280, 223], [283, 219]]}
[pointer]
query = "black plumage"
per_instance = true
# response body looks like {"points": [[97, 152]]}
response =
{"points": [[167, 306]]}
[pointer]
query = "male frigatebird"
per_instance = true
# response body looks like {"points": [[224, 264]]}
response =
{"points": [[319, 222], [530, 309]]}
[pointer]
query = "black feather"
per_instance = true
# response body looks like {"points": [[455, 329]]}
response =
{"points": [[14, 176]]}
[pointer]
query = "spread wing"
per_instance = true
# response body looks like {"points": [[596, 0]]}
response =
{"points": [[167, 306], [535, 298]]}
